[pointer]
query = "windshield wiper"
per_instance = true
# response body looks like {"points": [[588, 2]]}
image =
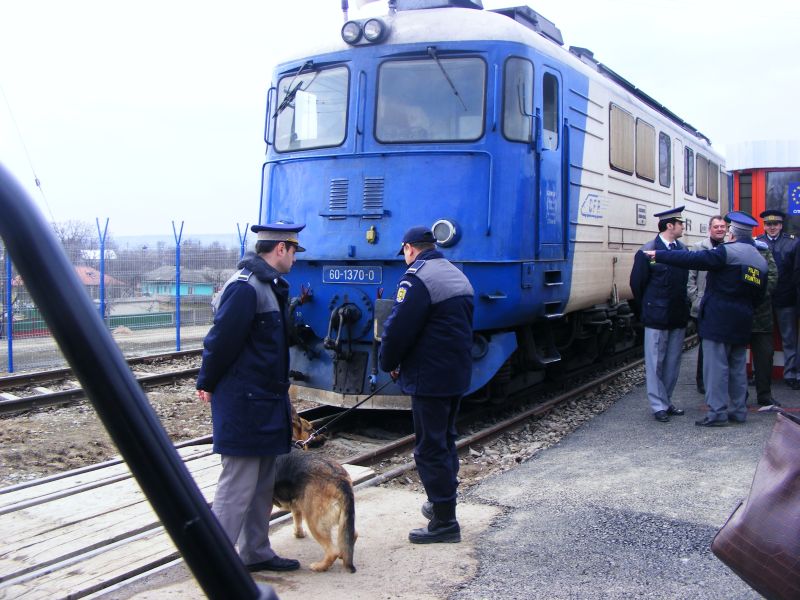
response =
{"points": [[287, 100], [432, 54]]}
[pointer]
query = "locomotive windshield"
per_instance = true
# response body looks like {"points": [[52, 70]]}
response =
{"points": [[435, 100], [312, 110]]}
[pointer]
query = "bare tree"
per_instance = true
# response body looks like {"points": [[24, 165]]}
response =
{"points": [[76, 236]]}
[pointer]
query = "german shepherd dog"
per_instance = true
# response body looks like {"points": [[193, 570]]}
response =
{"points": [[318, 489], [302, 429]]}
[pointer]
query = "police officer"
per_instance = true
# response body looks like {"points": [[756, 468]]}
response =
{"points": [[736, 283], [428, 336], [245, 376], [784, 249], [661, 298]]}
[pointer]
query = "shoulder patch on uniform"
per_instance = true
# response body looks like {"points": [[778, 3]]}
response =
{"points": [[415, 267], [401, 294], [244, 275]]}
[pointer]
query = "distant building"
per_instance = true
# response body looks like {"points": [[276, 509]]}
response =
{"points": [[766, 175], [197, 285]]}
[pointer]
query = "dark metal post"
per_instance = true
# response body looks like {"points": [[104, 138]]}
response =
{"points": [[9, 316], [102, 268], [178, 235], [119, 400], [242, 238]]}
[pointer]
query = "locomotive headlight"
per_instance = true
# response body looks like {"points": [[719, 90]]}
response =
{"points": [[446, 232], [374, 30], [351, 32]]}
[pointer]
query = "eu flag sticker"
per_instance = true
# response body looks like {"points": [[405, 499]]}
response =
{"points": [[794, 198]]}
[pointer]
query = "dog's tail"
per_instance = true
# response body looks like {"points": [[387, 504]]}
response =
{"points": [[347, 525]]}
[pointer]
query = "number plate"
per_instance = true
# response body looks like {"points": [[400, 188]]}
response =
{"points": [[348, 274]]}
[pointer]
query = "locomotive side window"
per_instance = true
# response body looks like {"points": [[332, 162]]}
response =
{"points": [[312, 110], [664, 159], [713, 182], [723, 185], [518, 100], [550, 108], [645, 150], [702, 176], [688, 171], [621, 139], [440, 100]]}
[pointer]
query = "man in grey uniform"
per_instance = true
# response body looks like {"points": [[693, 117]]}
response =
{"points": [[663, 309], [245, 377]]}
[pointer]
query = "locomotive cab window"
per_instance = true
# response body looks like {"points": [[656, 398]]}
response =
{"points": [[664, 159], [550, 112], [312, 109], [645, 150], [702, 176], [518, 100], [433, 100], [621, 139]]}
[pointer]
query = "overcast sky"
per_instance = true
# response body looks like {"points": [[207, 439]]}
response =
{"points": [[151, 111]]}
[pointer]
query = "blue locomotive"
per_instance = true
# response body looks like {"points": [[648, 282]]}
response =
{"points": [[537, 168]]}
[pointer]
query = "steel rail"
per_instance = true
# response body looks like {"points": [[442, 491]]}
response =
{"points": [[34, 377], [44, 399]]}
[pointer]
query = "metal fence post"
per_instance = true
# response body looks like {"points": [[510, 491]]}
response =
{"points": [[242, 238], [8, 315], [102, 268], [178, 235]]}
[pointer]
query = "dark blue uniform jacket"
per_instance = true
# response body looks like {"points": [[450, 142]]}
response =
{"points": [[429, 331], [246, 364], [737, 281], [784, 251], [660, 290]]}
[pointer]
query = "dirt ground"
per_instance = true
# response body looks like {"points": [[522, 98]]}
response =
{"points": [[47, 441]]}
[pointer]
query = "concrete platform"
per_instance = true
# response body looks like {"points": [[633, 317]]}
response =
{"points": [[625, 507]]}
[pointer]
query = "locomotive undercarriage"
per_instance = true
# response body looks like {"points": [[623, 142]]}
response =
{"points": [[554, 348]]}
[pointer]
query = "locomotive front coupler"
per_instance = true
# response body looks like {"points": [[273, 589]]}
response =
{"points": [[347, 314]]}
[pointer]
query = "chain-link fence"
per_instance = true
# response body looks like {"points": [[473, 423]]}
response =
{"points": [[153, 297]]}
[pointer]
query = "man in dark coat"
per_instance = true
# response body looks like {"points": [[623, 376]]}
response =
{"points": [[663, 305], [245, 376], [761, 347], [784, 296], [428, 337], [736, 284]]}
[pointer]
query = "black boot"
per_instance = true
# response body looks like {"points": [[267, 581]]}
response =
{"points": [[443, 527], [427, 510]]}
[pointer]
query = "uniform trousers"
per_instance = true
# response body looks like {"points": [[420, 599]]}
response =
{"points": [[762, 351], [726, 380], [435, 446], [787, 324], [662, 361], [243, 504]]}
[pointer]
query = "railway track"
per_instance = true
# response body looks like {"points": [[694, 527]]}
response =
{"points": [[11, 403], [137, 543]]}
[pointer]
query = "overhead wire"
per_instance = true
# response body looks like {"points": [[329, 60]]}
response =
{"points": [[36, 179]]}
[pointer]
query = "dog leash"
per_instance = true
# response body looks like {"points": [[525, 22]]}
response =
{"points": [[321, 430]]}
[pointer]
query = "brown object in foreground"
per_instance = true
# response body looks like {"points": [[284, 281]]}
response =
{"points": [[760, 542]]}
